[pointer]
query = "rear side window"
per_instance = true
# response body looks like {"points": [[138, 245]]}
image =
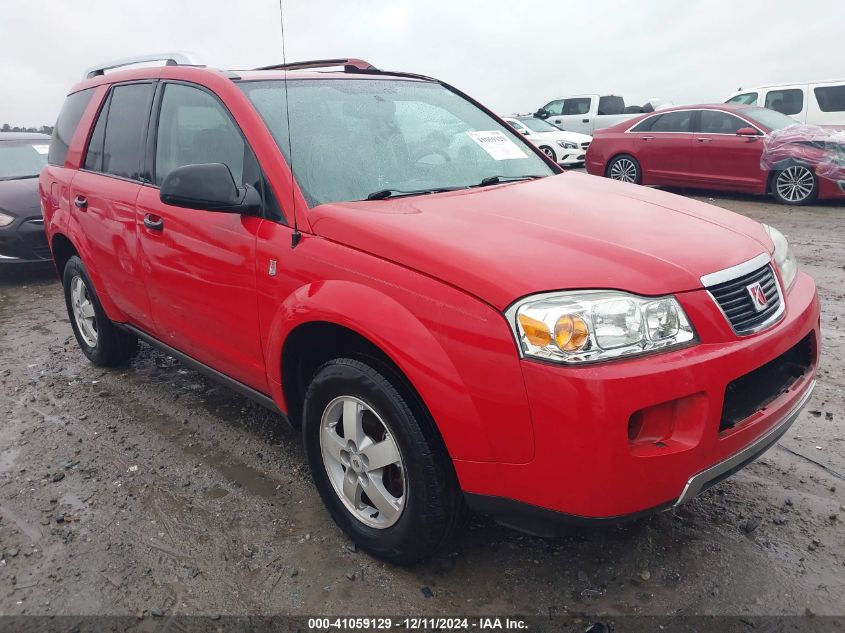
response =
{"points": [[669, 122], [129, 107], [611, 105], [69, 117], [790, 101], [831, 98], [748, 98], [715, 122]]}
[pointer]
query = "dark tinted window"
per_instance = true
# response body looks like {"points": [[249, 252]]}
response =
{"points": [[611, 105], [715, 122], [831, 98], [673, 122], [748, 98], [94, 155], [785, 101], [581, 105], [124, 134], [66, 125]]}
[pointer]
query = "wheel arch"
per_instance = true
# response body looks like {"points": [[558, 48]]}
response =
{"points": [[309, 330], [63, 249]]}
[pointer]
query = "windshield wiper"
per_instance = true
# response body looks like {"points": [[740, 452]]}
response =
{"points": [[495, 180], [399, 193]]}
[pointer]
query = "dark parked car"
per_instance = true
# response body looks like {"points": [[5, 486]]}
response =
{"points": [[22, 155]]}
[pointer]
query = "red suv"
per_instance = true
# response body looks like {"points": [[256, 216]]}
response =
{"points": [[451, 319]]}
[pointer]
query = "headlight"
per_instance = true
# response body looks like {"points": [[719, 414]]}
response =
{"points": [[783, 256], [568, 144], [6, 220], [593, 325]]}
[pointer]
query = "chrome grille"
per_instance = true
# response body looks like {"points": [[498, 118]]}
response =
{"points": [[734, 298]]}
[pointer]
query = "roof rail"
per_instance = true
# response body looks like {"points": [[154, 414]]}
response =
{"points": [[175, 58], [349, 65]]}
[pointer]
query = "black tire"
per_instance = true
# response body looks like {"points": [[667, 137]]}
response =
{"points": [[433, 507], [625, 168], [548, 151], [113, 346], [801, 175]]}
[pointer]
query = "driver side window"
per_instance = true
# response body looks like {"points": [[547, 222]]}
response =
{"points": [[193, 128]]}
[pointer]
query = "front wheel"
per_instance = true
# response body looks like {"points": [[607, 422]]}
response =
{"points": [[625, 168], [548, 151], [100, 340], [797, 185], [378, 464]]}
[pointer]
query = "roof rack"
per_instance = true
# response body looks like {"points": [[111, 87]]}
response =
{"points": [[175, 58], [349, 65]]}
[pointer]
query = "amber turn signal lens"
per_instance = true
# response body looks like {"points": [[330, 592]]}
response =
{"points": [[571, 333], [535, 331]]}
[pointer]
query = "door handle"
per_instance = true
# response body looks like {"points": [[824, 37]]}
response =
{"points": [[585, 120], [647, 138], [153, 222], [704, 140], [80, 202]]}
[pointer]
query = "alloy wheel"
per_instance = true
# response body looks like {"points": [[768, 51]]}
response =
{"points": [[83, 311], [363, 462], [548, 152], [624, 170], [795, 183]]}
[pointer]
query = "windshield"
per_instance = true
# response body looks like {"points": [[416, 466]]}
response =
{"points": [[22, 159], [350, 138], [769, 118], [538, 125]]}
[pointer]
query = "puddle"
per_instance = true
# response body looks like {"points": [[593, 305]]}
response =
{"points": [[245, 476], [215, 493]]}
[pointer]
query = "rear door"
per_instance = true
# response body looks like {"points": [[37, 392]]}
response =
{"points": [[720, 158], [827, 105], [200, 265], [104, 191], [576, 115], [662, 146]]}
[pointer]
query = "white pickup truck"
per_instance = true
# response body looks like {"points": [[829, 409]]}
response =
{"points": [[587, 113]]}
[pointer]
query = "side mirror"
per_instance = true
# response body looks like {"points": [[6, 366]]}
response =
{"points": [[526, 132], [541, 114], [747, 131], [208, 187]]}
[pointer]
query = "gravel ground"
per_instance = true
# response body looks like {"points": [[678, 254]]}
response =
{"points": [[150, 489]]}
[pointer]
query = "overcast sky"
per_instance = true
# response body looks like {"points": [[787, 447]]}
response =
{"points": [[513, 56]]}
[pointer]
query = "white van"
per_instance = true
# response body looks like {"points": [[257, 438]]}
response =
{"points": [[813, 102]]}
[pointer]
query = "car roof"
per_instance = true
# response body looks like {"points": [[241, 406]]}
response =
{"points": [[23, 136], [788, 84], [728, 107]]}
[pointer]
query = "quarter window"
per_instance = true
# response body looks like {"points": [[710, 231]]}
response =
{"points": [[116, 145], [790, 101], [715, 122], [68, 121], [831, 98]]}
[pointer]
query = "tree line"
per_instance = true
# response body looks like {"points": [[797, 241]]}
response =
{"points": [[44, 129]]}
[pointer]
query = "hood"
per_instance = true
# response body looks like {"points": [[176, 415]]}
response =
{"points": [[20, 197], [569, 231]]}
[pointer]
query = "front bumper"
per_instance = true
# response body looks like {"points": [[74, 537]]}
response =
{"points": [[586, 466], [24, 242]]}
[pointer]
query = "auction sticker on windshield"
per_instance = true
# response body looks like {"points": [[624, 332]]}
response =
{"points": [[495, 143]]}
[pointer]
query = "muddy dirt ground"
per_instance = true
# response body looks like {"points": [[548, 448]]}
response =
{"points": [[150, 489]]}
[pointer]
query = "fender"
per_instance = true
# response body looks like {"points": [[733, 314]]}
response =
{"points": [[465, 423]]}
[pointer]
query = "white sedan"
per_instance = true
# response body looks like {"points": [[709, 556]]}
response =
{"points": [[565, 148]]}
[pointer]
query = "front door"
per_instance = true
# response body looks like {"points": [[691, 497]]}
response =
{"points": [[575, 115], [200, 265], [721, 159]]}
